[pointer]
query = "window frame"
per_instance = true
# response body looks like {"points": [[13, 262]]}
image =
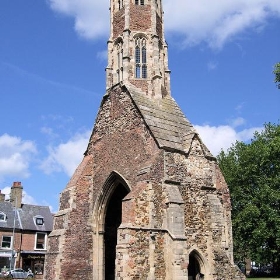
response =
{"points": [[41, 219], [36, 220], [4, 217], [140, 57], [36, 247], [11, 241]]}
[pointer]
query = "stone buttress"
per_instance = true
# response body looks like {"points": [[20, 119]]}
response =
{"points": [[148, 200]]}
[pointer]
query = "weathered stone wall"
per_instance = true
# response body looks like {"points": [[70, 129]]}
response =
{"points": [[65, 261], [177, 203], [206, 208], [159, 27], [120, 142], [118, 23]]}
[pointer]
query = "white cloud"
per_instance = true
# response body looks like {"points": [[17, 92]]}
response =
{"points": [[213, 23], [15, 156], [6, 191], [66, 156], [222, 137], [217, 22], [28, 199], [91, 16]]}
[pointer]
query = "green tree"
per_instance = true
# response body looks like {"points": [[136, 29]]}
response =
{"points": [[252, 172], [276, 72]]}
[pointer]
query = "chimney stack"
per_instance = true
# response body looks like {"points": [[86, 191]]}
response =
{"points": [[2, 197], [16, 194]]}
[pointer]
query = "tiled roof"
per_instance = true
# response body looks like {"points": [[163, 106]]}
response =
{"points": [[27, 214], [167, 122], [8, 210], [24, 217]]}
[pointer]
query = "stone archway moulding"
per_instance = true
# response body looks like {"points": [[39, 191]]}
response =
{"points": [[99, 212], [203, 264]]}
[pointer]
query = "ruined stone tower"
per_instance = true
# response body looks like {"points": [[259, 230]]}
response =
{"points": [[148, 200]]}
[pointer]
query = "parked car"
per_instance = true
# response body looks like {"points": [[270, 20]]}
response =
{"points": [[20, 273], [5, 272]]}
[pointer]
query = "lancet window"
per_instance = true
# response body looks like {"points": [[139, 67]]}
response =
{"points": [[139, 2], [140, 58], [120, 61], [120, 4]]}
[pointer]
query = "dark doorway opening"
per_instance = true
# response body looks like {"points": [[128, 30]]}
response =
{"points": [[113, 219], [194, 271]]}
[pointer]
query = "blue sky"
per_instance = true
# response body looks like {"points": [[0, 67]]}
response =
{"points": [[52, 79]]}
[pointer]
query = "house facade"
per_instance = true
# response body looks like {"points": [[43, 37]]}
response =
{"points": [[23, 232]]}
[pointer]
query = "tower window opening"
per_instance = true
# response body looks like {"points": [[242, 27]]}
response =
{"points": [[138, 68], [139, 2], [140, 58], [144, 72], [137, 54], [144, 56], [120, 61], [120, 4]]}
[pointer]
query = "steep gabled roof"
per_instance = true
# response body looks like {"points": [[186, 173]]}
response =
{"points": [[25, 217], [8, 209], [28, 214], [167, 122]]}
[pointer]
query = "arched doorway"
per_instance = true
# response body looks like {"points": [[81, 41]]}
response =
{"points": [[113, 219], [195, 271]]}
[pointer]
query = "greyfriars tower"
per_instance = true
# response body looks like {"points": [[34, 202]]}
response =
{"points": [[148, 200]]}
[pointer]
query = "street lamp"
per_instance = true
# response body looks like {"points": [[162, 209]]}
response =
{"points": [[13, 235]]}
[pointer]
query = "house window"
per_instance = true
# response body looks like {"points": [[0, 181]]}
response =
{"points": [[39, 221], [40, 243], [6, 241], [2, 216], [140, 58], [139, 2]]}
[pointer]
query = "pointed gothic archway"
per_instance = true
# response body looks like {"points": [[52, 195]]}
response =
{"points": [[109, 216], [113, 219], [196, 268]]}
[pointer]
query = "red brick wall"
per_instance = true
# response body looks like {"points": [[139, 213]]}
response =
{"points": [[140, 17], [28, 241], [140, 83], [17, 238], [118, 23]]}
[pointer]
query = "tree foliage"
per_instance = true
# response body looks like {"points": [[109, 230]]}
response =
{"points": [[276, 72], [252, 172]]}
